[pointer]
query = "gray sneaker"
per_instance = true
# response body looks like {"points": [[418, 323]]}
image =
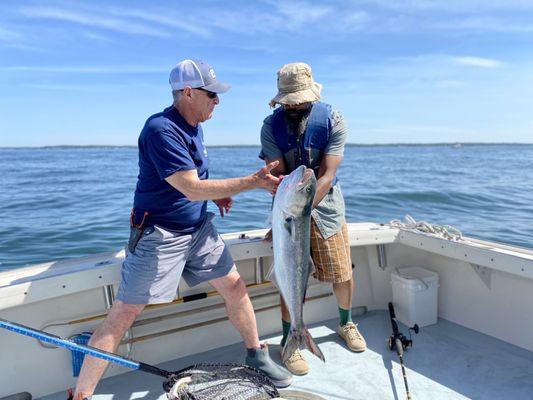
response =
{"points": [[260, 359]]}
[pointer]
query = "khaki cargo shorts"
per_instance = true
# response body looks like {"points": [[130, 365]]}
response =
{"points": [[331, 256]]}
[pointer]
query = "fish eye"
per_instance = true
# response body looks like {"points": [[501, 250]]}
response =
{"points": [[308, 188]]}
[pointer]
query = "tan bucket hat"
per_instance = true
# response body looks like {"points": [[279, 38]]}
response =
{"points": [[296, 85]]}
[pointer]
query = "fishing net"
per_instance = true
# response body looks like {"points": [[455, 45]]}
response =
{"points": [[220, 382]]}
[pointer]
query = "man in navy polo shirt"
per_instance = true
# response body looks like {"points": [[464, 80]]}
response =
{"points": [[172, 234]]}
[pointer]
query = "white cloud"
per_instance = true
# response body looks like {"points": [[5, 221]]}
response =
{"points": [[12, 39], [452, 15], [298, 13], [176, 21], [483, 24], [450, 84], [279, 17], [478, 62], [107, 88], [355, 20], [132, 69], [96, 36], [248, 23], [298, 17], [91, 19], [425, 73], [9, 35], [477, 6]]}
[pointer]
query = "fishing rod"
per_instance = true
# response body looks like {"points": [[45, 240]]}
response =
{"points": [[398, 342]]}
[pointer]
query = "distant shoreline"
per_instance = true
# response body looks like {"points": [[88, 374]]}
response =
{"points": [[451, 144]]}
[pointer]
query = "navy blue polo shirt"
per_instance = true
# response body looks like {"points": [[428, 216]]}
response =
{"points": [[168, 144]]}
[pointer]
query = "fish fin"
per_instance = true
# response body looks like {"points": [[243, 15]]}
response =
{"points": [[271, 275], [289, 222], [291, 345], [295, 340], [289, 225], [310, 345]]}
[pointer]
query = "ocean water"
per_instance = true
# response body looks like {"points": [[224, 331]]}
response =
{"points": [[58, 203]]}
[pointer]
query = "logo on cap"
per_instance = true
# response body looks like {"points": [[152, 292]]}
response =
{"points": [[212, 73]]}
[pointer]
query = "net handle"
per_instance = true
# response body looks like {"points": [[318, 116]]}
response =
{"points": [[88, 350]]}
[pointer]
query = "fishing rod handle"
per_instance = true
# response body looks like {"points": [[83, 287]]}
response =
{"points": [[58, 341], [392, 314]]}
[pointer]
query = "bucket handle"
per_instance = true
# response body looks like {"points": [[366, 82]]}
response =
{"points": [[412, 277]]}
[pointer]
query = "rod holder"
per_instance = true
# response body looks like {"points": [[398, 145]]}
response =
{"points": [[382, 256], [109, 296]]}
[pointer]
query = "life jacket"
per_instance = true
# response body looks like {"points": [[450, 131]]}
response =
{"points": [[307, 149]]}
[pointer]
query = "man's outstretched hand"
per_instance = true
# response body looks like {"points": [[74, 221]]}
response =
{"points": [[265, 180], [224, 205]]}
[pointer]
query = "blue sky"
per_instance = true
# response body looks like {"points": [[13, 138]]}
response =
{"points": [[77, 73]]}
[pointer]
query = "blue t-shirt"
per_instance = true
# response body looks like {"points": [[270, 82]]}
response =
{"points": [[168, 144]]}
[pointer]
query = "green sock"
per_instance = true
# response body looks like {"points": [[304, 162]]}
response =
{"points": [[346, 315], [286, 330]]}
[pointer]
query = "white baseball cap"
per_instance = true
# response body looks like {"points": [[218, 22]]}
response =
{"points": [[196, 74]]}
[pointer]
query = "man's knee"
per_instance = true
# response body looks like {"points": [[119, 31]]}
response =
{"points": [[240, 286], [122, 315], [238, 290], [121, 308], [233, 287]]}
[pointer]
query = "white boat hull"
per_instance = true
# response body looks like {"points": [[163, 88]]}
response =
{"points": [[484, 286]]}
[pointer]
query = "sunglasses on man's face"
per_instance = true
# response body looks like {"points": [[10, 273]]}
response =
{"points": [[209, 94]]}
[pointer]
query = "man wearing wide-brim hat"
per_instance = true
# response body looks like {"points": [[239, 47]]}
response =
{"points": [[305, 131]]}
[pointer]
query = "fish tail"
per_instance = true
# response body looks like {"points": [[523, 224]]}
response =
{"points": [[291, 345], [297, 339], [310, 345]]}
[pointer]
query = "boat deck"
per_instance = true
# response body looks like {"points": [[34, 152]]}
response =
{"points": [[447, 361]]}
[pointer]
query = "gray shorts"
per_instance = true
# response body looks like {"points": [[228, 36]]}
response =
{"points": [[152, 273]]}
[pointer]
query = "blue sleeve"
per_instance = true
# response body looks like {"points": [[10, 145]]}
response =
{"points": [[168, 152]]}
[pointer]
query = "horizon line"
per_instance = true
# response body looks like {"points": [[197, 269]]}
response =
{"points": [[392, 144]]}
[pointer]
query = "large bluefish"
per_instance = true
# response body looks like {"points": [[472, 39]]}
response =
{"points": [[291, 226]]}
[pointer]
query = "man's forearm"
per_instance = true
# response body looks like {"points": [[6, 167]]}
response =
{"points": [[195, 189], [211, 189], [323, 185]]}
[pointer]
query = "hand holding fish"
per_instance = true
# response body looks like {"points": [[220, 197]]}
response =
{"points": [[224, 205], [265, 180]]}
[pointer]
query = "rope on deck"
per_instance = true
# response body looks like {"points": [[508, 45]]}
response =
{"points": [[444, 231]]}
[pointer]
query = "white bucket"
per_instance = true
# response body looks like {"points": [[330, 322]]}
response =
{"points": [[414, 295]]}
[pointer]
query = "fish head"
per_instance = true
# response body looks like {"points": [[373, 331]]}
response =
{"points": [[297, 191]]}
